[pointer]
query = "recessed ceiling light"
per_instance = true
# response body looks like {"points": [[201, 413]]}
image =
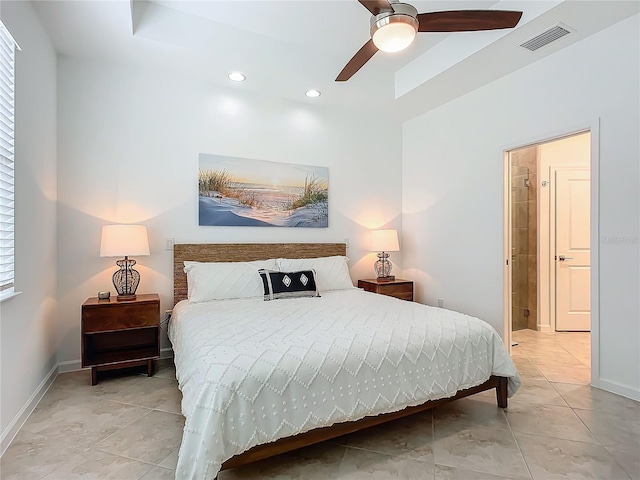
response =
{"points": [[237, 77], [312, 93]]}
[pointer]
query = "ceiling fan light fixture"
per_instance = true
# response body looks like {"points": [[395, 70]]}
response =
{"points": [[395, 31]]}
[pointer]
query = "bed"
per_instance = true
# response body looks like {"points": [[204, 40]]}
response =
{"points": [[263, 378]]}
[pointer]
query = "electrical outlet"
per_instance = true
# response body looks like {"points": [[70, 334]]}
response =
{"points": [[440, 302], [169, 245], [167, 317]]}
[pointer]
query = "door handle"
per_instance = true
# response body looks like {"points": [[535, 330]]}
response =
{"points": [[562, 258]]}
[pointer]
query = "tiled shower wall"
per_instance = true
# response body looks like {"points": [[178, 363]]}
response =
{"points": [[524, 238]]}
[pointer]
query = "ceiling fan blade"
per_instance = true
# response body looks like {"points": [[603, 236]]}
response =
{"points": [[376, 6], [359, 59], [467, 20]]}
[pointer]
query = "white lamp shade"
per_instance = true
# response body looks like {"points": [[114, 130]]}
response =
{"points": [[384, 241], [124, 240], [394, 37]]}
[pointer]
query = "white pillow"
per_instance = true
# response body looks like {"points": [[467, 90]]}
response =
{"points": [[223, 280], [332, 273]]}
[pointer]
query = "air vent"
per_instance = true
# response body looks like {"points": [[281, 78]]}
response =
{"points": [[545, 38]]}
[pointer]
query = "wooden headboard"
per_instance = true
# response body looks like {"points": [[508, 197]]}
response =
{"points": [[242, 252]]}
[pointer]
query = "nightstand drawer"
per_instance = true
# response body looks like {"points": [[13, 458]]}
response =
{"points": [[120, 317], [402, 290]]}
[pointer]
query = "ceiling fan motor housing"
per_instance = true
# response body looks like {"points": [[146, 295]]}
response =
{"points": [[393, 31]]}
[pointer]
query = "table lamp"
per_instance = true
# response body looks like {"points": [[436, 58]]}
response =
{"points": [[384, 241], [122, 241]]}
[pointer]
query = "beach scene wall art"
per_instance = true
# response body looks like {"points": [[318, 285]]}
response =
{"points": [[258, 193]]}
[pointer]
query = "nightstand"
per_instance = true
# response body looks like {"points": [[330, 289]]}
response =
{"points": [[120, 334], [402, 289]]}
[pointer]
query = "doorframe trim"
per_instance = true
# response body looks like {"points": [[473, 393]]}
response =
{"points": [[507, 325], [595, 252], [592, 126], [552, 250]]}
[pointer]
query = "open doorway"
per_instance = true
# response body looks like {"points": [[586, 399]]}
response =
{"points": [[548, 256]]}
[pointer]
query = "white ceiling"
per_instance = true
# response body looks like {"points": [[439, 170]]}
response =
{"points": [[286, 47]]}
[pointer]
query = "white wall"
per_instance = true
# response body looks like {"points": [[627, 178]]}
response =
{"points": [[453, 184], [129, 141], [28, 321]]}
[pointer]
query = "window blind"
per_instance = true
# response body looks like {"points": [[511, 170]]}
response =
{"points": [[7, 82]]}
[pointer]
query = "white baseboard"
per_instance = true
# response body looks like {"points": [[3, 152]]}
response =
{"points": [[70, 366], [544, 328], [619, 389], [16, 424], [166, 352]]}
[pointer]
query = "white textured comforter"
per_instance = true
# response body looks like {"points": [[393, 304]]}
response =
{"points": [[252, 371]]}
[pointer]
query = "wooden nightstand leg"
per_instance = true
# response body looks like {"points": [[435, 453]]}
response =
{"points": [[94, 376], [149, 368], [501, 392]]}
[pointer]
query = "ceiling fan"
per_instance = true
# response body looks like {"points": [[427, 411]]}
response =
{"points": [[394, 26]]}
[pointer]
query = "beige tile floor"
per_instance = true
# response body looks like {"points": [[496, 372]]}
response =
{"points": [[556, 427]]}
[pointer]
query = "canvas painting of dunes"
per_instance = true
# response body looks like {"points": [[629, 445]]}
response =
{"points": [[258, 193]]}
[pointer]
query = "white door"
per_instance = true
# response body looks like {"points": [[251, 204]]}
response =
{"points": [[572, 252]]}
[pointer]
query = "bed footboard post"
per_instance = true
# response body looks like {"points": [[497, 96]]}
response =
{"points": [[501, 392]]}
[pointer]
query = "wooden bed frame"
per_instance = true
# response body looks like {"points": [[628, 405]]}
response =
{"points": [[246, 252]]}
